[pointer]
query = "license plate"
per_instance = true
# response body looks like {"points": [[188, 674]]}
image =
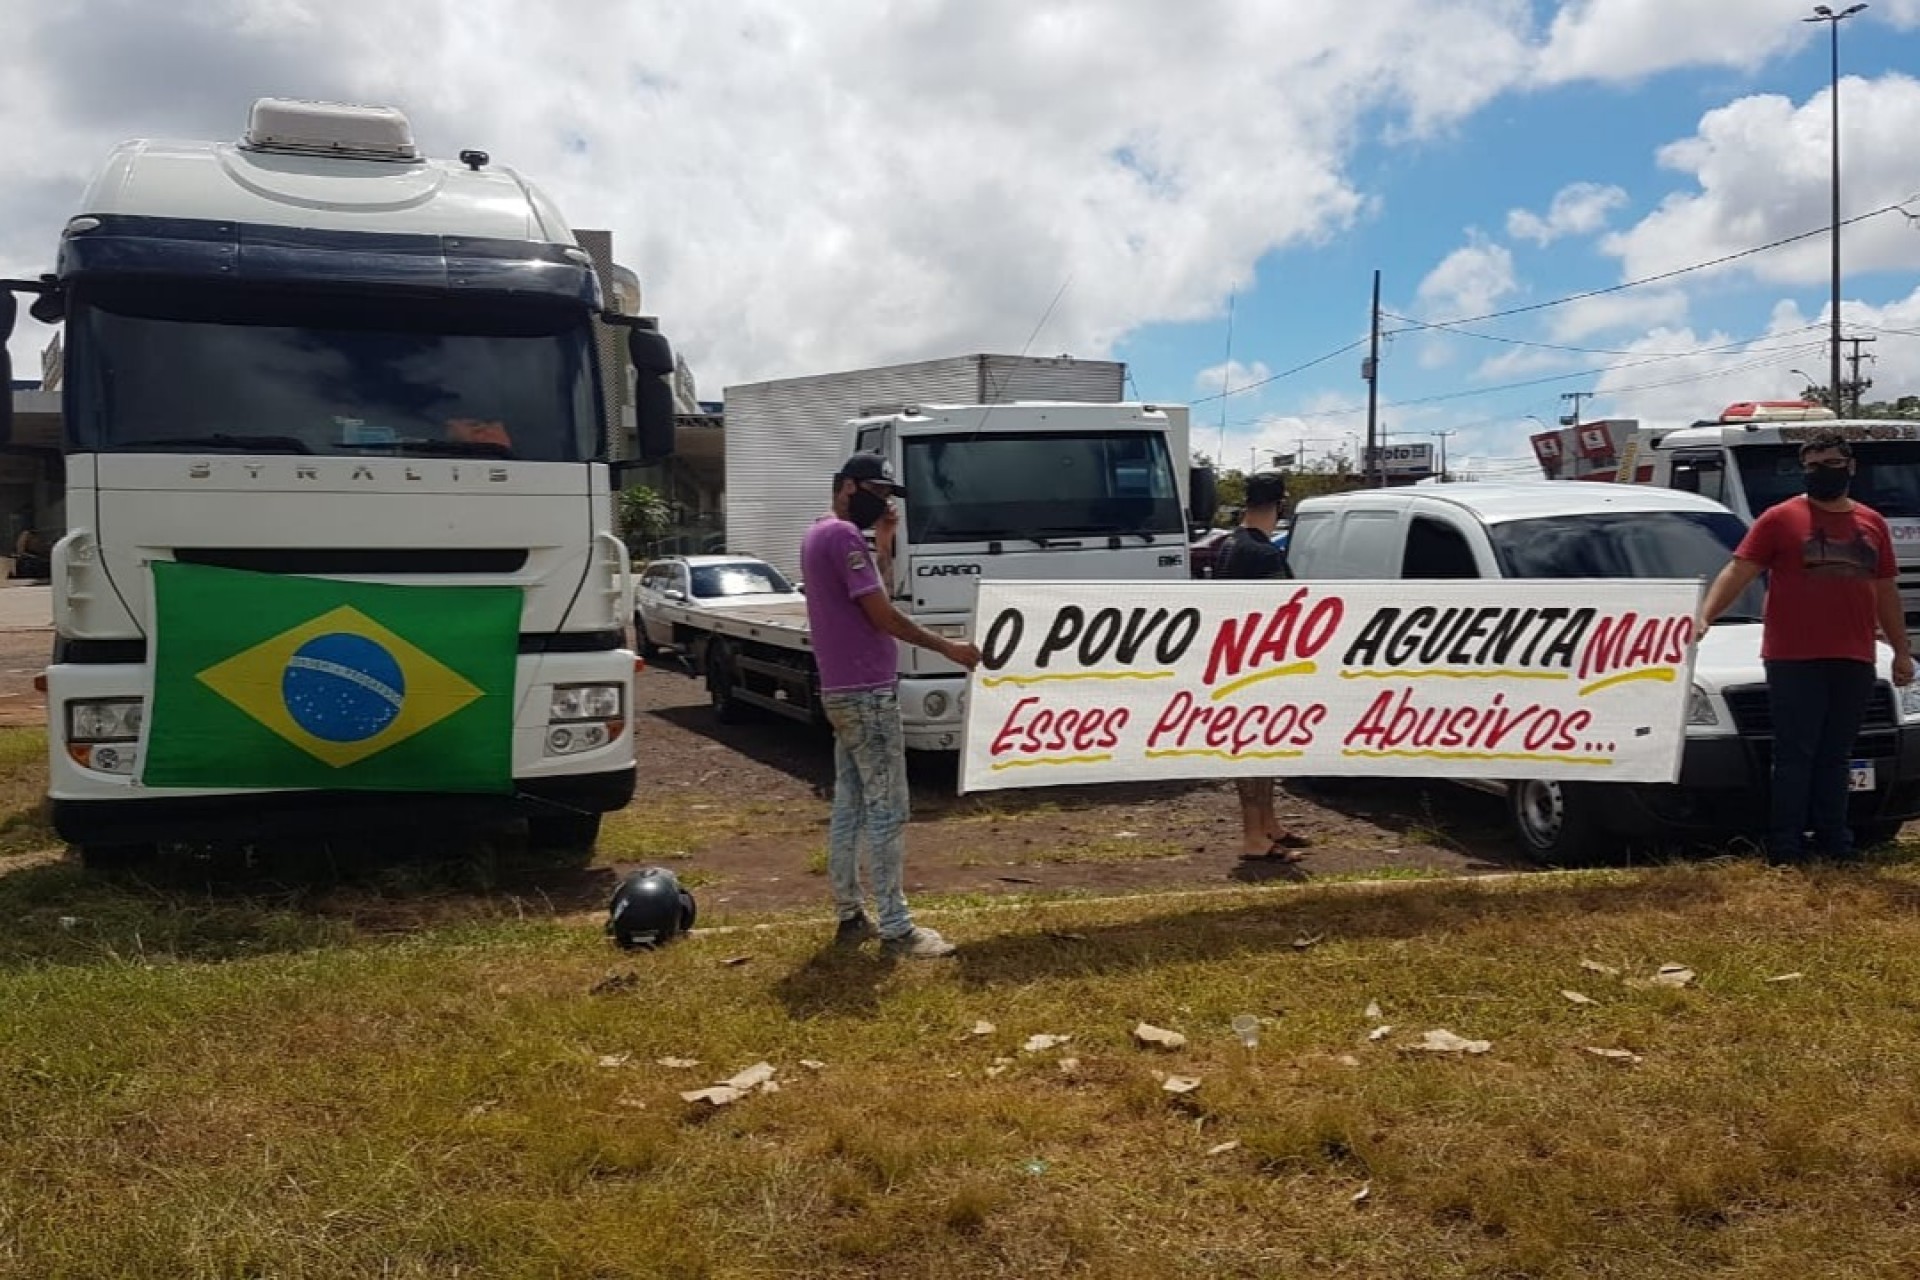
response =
{"points": [[1860, 775]]}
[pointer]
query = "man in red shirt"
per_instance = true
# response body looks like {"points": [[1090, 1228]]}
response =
{"points": [[1830, 568]]}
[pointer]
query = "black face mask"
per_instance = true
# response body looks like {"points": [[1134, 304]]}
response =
{"points": [[1825, 484], [865, 509]]}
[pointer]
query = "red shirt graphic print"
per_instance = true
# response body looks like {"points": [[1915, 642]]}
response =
{"points": [[1821, 567]]}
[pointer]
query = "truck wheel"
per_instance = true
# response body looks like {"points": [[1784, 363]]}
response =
{"points": [[564, 833], [648, 649], [1556, 823], [1871, 835], [722, 683], [115, 857]]}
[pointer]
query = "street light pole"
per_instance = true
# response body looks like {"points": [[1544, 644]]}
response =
{"points": [[1821, 13]]}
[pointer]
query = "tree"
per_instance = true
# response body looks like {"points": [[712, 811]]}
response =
{"points": [[645, 516]]}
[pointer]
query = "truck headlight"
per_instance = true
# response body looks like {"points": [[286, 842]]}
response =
{"points": [[586, 702], [936, 704], [1700, 710], [582, 717], [104, 720], [1909, 700]]}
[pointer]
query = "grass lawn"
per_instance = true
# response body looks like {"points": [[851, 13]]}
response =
{"points": [[214, 1083]]}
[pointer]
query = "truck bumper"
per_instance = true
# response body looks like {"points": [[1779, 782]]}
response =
{"points": [[278, 815], [933, 711], [1724, 783], [92, 805]]}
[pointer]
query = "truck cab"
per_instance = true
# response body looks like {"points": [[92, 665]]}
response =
{"points": [[316, 355], [1748, 459]]}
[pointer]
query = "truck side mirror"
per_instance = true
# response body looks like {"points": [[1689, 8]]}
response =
{"points": [[9, 310], [652, 358], [1203, 496]]}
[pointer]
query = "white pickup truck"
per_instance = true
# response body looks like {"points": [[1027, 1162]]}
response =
{"points": [[1575, 530]]}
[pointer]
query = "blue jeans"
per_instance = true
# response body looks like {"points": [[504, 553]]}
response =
{"points": [[1817, 708], [869, 799]]}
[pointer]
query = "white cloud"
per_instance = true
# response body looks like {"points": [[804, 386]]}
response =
{"points": [[1578, 209], [818, 186], [1224, 377], [1632, 309], [1627, 40], [1762, 169], [1470, 280]]}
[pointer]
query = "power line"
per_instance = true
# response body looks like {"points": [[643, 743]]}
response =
{"points": [[1669, 275], [1560, 302], [1284, 373]]}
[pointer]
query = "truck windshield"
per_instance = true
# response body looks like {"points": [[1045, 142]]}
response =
{"points": [[165, 367], [1028, 485], [1639, 544], [1887, 476]]}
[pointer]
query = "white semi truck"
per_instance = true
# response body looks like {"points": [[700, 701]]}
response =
{"points": [[1033, 489], [1749, 458], [315, 370]]}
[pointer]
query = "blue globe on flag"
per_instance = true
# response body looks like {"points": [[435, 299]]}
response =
{"points": [[342, 687]]}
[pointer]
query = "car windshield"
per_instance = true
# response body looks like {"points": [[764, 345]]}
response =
{"points": [[1886, 477], [1004, 485], [248, 370], [740, 578], [1638, 544]]}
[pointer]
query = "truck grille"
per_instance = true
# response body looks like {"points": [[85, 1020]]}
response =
{"points": [[1753, 714]]}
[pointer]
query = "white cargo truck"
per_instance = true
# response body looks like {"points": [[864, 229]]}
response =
{"points": [[327, 402], [1749, 458], [1025, 490]]}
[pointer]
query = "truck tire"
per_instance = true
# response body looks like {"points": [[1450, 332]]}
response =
{"points": [[563, 832], [648, 649], [115, 857], [1871, 835], [722, 683], [1557, 823]]}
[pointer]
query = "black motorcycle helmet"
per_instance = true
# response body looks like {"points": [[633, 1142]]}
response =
{"points": [[650, 909]]}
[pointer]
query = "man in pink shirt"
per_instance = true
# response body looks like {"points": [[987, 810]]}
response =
{"points": [[855, 629]]}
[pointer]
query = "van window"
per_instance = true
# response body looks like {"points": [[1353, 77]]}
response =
{"points": [[1437, 549], [1309, 543], [1345, 544], [1704, 474]]}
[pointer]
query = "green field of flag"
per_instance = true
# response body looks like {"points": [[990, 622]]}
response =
{"points": [[269, 681]]}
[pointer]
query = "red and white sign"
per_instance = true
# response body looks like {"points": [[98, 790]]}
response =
{"points": [[1594, 440]]}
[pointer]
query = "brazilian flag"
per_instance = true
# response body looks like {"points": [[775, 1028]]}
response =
{"points": [[262, 680]]}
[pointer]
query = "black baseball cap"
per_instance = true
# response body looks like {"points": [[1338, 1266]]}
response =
{"points": [[1266, 488], [871, 468]]}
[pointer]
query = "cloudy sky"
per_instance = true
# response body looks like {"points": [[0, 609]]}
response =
{"points": [[1202, 189]]}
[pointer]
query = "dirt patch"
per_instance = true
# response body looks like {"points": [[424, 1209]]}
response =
{"points": [[747, 806], [741, 812]]}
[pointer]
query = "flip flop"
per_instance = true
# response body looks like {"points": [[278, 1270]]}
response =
{"points": [[1288, 840]]}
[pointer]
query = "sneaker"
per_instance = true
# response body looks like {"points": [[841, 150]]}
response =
{"points": [[854, 930], [917, 944]]}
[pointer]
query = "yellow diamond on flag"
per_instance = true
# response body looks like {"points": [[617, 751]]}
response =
{"points": [[340, 687]]}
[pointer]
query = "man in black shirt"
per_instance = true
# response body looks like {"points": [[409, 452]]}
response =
{"points": [[1250, 553]]}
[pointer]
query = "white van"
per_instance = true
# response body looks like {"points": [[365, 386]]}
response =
{"points": [[1570, 529]]}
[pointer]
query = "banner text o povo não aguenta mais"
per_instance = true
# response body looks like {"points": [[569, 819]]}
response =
{"points": [[1106, 682]]}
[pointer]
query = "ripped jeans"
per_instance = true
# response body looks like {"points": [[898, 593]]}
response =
{"points": [[869, 799]]}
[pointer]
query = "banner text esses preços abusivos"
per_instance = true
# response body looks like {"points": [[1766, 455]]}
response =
{"points": [[1105, 682]]}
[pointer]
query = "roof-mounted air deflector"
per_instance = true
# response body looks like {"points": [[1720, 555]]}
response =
{"points": [[330, 129]]}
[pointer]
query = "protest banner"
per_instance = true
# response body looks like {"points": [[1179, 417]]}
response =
{"points": [[1108, 682]]}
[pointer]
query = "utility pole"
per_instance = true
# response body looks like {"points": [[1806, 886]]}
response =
{"points": [[1373, 463], [1854, 385], [1441, 436], [1573, 419], [1821, 13]]}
